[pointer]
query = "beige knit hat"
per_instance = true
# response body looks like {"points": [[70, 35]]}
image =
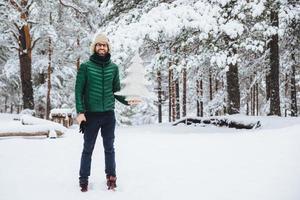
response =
{"points": [[100, 38]]}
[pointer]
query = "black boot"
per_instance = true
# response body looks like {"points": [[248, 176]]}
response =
{"points": [[84, 187], [83, 183], [111, 182]]}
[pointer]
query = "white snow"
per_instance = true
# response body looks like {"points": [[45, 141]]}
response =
{"points": [[233, 28], [257, 8], [161, 162]]}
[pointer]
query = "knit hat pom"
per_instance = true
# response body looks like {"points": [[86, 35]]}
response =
{"points": [[100, 38]]}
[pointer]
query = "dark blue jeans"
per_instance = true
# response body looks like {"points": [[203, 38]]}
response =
{"points": [[106, 122]]}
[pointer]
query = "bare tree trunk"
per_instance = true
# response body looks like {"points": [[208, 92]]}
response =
{"points": [[173, 98], [286, 91], [210, 90], [218, 112], [251, 95], [11, 108], [78, 59], [253, 99], [274, 64], [217, 85], [48, 106], [159, 96], [24, 51], [201, 94], [18, 109], [177, 98], [268, 83], [294, 110], [232, 77], [248, 98], [210, 86], [257, 110], [5, 104], [295, 26], [25, 70], [198, 97], [184, 93], [170, 93], [224, 107]]}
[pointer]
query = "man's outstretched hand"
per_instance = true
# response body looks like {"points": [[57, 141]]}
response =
{"points": [[134, 101]]}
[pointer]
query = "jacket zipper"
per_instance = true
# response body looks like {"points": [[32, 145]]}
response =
{"points": [[102, 87]]}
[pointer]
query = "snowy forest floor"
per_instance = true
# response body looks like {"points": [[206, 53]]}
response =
{"points": [[160, 162]]}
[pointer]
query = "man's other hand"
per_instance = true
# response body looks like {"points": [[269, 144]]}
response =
{"points": [[80, 118]]}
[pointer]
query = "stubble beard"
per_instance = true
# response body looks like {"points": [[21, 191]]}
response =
{"points": [[101, 53]]}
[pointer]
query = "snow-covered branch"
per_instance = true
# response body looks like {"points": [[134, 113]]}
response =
{"points": [[14, 34], [13, 47], [16, 5], [34, 42], [73, 6]]}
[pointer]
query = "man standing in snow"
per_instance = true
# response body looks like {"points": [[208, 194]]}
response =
{"points": [[96, 82]]}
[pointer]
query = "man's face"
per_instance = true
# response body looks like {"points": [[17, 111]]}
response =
{"points": [[101, 49]]}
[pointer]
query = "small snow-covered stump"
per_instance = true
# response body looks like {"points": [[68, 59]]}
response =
{"points": [[27, 112], [135, 82], [62, 116], [52, 134]]}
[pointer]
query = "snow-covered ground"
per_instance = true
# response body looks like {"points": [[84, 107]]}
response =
{"points": [[160, 162]]}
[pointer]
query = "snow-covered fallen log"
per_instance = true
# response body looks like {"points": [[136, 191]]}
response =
{"points": [[31, 126], [11, 134], [47, 133], [229, 122]]}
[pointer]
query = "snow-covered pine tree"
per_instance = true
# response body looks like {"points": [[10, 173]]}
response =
{"points": [[135, 82]]}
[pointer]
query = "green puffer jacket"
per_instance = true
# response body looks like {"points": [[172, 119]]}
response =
{"points": [[96, 83]]}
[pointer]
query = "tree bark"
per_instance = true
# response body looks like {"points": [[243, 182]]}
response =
{"points": [[177, 98], [218, 112], [173, 97], [198, 98], [201, 94], [5, 104], [48, 106], [184, 93], [25, 70], [159, 96], [170, 93], [295, 27], [232, 75], [294, 109], [25, 48], [78, 59], [286, 91], [11, 108], [268, 83], [256, 100], [251, 95], [233, 91], [274, 64], [210, 86]]}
